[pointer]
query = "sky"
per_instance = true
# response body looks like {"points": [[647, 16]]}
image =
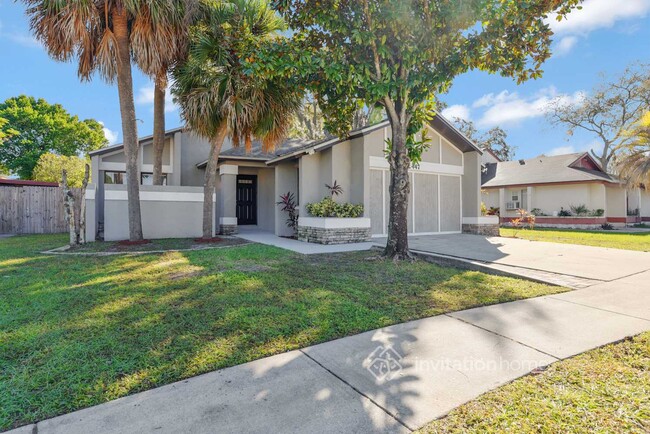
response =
{"points": [[602, 38]]}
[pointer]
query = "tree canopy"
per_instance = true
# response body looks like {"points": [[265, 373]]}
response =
{"points": [[401, 55], [633, 162], [495, 139], [608, 113], [50, 168], [35, 127]]}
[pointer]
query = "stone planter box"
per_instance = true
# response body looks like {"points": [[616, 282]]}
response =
{"points": [[333, 230], [485, 225]]}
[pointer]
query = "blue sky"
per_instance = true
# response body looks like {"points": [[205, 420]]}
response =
{"points": [[603, 37]]}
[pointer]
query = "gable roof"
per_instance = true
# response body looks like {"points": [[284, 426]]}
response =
{"points": [[578, 167], [141, 140]]}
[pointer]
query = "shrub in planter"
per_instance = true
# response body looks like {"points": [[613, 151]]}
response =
{"points": [[598, 212], [289, 205], [537, 212], [328, 208], [607, 227], [579, 210], [564, 213]]}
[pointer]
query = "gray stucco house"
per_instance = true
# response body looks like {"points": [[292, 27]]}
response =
{"points": [[445, 194]]}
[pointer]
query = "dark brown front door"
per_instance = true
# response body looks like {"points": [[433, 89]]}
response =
{"points": [[246, 200]]}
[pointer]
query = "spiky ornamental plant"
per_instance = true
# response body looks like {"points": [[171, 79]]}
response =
{"points": [[102, 35], [218, 95], [400, 55]]}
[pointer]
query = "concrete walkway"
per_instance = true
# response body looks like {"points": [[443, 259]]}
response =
{"points": [[268, 238], [570, 265], [394, 379]]}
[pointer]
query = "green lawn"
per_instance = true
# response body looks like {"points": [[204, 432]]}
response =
{"points": [[615, 240], [80, 330], [602, 391]]}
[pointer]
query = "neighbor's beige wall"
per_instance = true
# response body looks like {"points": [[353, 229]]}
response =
{"points": [[490, 197], [552, 198], [616, 201], [645, 203]]}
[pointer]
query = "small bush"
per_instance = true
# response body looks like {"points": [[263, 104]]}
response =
{"points": [[607, 227], [484, 209], [598, 212], [537, 212], [564, 213], [579, 210], [494, 211], [328, 208]]}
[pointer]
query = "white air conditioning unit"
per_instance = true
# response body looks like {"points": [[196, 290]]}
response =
{"points": [[513, 205]]}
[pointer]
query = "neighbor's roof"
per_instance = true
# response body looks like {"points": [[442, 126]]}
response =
{"points": [[21, 183], [544, 170], [144, 139]]}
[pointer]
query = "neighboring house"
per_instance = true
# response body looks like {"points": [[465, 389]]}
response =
{"points": [[551, 186], [445, 193]]}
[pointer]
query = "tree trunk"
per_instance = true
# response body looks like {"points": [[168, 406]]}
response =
{"points": [[210, 178], [81, 236], [68, 207], [129, 125], [397, 247], [158, 126]]}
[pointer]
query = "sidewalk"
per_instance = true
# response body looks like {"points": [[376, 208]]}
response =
{"points": [[393, 379]]}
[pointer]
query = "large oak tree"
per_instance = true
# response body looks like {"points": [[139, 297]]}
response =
{"points": [[400, 55]]}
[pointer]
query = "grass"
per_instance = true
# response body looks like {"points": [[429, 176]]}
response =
{"points": [[76, 331], [615, 240], [604, 390], [155, 245]]}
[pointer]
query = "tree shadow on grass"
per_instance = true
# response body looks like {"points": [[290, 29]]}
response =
{"points": [[84, 331]]}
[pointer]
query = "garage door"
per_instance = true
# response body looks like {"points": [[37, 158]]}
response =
{"points": [[434, 203]]}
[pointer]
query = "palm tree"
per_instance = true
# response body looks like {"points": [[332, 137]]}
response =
{"points": [[219, 98], [157, 46], [99, 33], [633, 161]]}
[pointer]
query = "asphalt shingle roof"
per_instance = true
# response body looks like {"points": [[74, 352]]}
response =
{"points": [[540, 170]]}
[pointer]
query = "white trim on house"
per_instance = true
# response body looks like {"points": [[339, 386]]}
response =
{"points": [[227, 220], [427, 168], [483, 220], [334, 222], [228, 169], [160, 196]]}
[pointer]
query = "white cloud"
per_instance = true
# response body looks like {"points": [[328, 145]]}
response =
{"points": [[24, 40], [597, 14], [572, 149], [145, 97], [456, 111], [110, 135], [565, 45], [511, 108]]}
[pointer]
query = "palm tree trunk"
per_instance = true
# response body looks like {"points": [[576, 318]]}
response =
{"points": [[159, 126], [210, 178], [397, 247], [129, 126]]}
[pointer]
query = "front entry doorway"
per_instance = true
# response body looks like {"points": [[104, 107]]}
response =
{"points": [[246, 200]]}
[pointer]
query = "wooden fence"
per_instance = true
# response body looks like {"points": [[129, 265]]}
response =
{"points": [[32, 210]]}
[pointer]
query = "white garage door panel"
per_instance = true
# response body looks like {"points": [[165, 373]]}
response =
{"points": [[450, 204], [425, 212], [434, 203]]}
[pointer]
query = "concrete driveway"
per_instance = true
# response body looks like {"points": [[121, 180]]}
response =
{"points": [[587, 262]]}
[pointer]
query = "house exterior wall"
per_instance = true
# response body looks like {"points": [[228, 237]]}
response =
{"points": [[616, 204], [167, 212], [644, 208], [286, 180], [551, 199], [193, 150]]}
